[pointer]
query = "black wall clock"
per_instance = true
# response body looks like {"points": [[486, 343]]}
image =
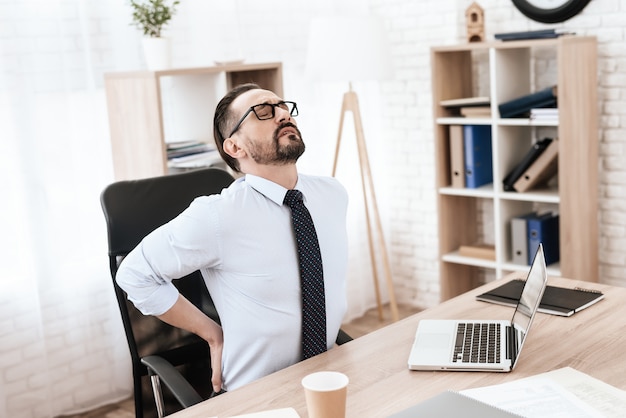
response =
{"points": [[550, 11]]}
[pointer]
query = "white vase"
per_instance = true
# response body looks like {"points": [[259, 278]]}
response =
{"points": [[157, 53]]}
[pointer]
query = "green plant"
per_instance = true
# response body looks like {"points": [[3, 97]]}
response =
{"points": [[151, 15]]}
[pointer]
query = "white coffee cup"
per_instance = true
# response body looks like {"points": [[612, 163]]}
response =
{"points": [[325, 394]]}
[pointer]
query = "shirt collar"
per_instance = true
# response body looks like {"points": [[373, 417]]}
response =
{"points": [[274, 192]]}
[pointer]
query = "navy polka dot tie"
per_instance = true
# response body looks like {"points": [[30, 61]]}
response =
{"points": [[311, 277]]}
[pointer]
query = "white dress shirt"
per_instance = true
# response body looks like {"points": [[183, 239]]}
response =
{"points": [[243, 243]]}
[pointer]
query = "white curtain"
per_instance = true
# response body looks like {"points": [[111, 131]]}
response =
{"points": [[62, 345]]}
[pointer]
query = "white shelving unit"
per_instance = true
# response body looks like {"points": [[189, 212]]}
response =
{"points": [[503, 71], [148, 109]]}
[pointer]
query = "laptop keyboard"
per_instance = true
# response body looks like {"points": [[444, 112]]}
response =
{"points": [[477, 343]]}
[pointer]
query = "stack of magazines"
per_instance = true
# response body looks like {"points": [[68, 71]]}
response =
{"points": [[191, 154]]}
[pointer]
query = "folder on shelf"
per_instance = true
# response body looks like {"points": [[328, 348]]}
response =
{"points": [[544, 229], [478, 159], [520, 106], [535, 150], [519, 238], [541, 170], [457, 163]]}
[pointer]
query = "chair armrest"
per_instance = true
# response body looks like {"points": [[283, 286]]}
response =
{"points": [[184, 393], [343, 338]]}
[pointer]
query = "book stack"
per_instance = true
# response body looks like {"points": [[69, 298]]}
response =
{"points": [[538, 166], [545, 115], [475, 111], [479, 250], [470, 155], [520, 106], [531, 229], [191, 154], [471, 107], [465, 102]]}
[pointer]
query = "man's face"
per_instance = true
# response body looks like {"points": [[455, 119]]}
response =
{"points": [[274, 141]]}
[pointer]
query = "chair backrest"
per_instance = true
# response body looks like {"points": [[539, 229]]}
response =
{"points": [[132, 210]]}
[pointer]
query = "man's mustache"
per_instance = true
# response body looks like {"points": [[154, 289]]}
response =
{"points": [[286, 125]]}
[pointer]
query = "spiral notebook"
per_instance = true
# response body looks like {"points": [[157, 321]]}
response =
{"points": [[479, 344]]}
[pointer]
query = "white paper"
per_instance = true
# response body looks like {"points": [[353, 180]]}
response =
{"points": [[565, 393], [607, 399]]}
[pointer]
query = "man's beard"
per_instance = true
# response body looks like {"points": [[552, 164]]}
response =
{"points": [[277, 154]]}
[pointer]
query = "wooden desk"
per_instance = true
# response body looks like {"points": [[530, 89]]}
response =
{"points": [[381, 383]]}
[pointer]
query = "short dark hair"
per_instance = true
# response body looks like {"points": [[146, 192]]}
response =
{"points": [[224, 120]]}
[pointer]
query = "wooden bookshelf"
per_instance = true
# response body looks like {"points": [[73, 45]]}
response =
{"points": [[503, 71], [148, 109]]}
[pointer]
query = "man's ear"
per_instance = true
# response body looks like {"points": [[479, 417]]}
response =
{"points": [[232, 148]]}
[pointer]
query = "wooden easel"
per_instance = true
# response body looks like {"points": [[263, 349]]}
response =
{"points": [[351, 104]]}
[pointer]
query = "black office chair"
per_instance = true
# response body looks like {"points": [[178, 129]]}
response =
{"points": [[159, 352], [132, 210]]}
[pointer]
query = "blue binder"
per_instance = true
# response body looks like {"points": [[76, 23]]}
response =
{"points": [[544, 229], [477, 150]]}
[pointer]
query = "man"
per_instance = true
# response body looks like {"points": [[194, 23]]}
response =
{"points": [[243, 243]]}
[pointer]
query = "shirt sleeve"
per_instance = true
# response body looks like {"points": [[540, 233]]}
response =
{"points": [[189, 242]]}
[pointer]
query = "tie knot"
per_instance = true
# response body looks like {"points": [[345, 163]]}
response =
{"points": [[292, 197]]}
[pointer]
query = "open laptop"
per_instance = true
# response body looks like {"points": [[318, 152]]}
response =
{"points": [[480, 345]]}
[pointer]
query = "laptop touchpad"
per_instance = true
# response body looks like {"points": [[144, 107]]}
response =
{"points": [[433, 341]]}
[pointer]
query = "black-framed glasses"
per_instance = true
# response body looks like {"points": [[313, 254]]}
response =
{"points": [[265, 111]]}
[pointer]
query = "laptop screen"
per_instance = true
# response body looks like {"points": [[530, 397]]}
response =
{"points": [[531, 296]]}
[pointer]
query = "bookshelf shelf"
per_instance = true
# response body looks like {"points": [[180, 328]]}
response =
{"points": [[546, 196], [524, 122], [485, 191], [455, 257], [490, 121], [504, 71], [149, 109], [464, 121]]}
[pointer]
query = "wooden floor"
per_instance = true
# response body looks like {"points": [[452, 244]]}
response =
{"points": [[357, 328], [371, 320]]}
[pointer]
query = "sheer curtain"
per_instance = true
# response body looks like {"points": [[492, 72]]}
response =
{"points": [[62, 345]]}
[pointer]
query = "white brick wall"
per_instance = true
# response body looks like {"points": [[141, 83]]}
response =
{"points": [[415, 29], [48, 42]]}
